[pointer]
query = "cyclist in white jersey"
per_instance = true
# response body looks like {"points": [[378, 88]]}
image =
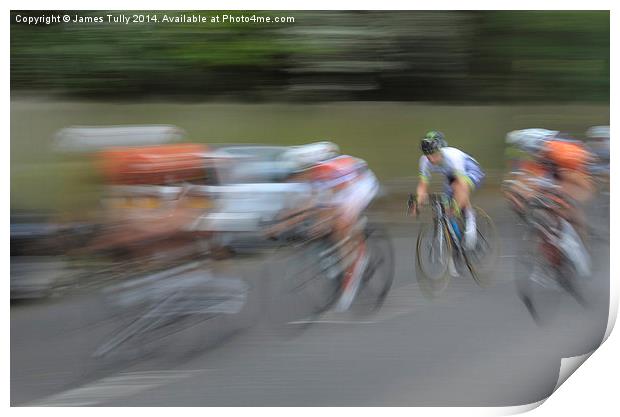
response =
{"points": [[462, 175]]}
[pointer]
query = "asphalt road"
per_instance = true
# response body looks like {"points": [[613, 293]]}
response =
{"points": [[468, 347]]}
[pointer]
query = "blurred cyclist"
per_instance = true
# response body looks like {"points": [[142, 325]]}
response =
{"points": [[342, 187], [568, 162], [559, 173], [598, 144], [522, 152], [563, 161], [462, 174]]}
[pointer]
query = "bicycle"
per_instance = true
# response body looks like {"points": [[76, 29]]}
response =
{"points": [[555, 259], [441, 242], [599, 206], [154, 309], [313, 271], [515, 190]]}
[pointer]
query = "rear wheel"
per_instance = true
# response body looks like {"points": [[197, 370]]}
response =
{"points": [[481, 261]]}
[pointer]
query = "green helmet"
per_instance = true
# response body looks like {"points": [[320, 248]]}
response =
{"points": [[432, 142], [436, 136]]}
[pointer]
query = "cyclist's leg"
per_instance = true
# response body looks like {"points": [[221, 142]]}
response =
{"points": [[346, 228], [578, 187], [464, 184], [462, 192], [349, 226], [458, 194], [449, 192], [461, 189]]}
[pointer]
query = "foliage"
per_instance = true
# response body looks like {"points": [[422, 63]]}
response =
{"points": [[414, 56]]}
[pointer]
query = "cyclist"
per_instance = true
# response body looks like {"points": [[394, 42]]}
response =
{"points": [[346, 187], [563, 161], [562, 166], [598, 143], [521, 152], [342, 187], [462, 172]]}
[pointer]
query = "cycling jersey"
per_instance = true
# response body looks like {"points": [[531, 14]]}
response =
{"points": [[346, 183], [454, 164], [567, 155]]}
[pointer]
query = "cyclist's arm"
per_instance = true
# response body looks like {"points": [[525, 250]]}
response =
{"points": [[424, 176], [422, 191]]}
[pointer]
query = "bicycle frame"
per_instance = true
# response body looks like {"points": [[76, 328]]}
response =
{"points": [[442, 218], [446, 231], [555, 235]]}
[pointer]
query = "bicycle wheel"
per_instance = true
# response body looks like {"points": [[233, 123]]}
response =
{"points": [[306, 285], [379, 274], [481, 261], [135, 331], [156, 315], [536, 281], [433, 252]]}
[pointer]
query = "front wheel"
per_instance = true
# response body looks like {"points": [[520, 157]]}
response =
{"points": [[536, 279], [433, 252], [306, 282], [379, 273]]}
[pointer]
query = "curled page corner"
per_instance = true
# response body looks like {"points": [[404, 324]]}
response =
{"points": [[568, 366], [613, 311], [518, 409]]}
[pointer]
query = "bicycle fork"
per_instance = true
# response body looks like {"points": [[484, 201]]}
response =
{"points": [[439, 233]]}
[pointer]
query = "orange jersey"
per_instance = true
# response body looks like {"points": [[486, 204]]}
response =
{"points": [[334, 168], [567, 155], [153, 164]]}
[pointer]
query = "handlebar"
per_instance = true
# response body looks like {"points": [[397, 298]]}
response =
{"points": [[433, 198], [412, 203], [412, 200]]}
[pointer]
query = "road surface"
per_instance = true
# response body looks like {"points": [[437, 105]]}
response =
{"points": [[468, 347]]}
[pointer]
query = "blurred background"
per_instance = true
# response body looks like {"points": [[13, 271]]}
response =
{"points": [[441, 56], [373, 82], [88, 254]]}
